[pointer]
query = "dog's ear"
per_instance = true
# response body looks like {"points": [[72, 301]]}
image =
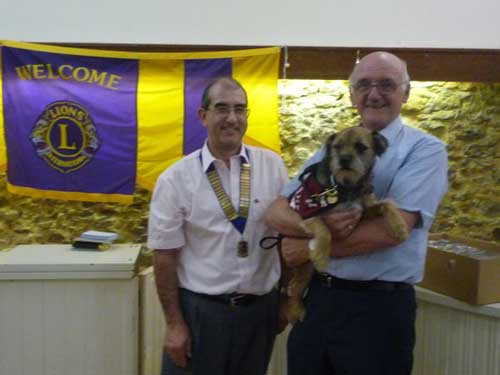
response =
{"points": [[380, 143], [330, 139], [328, 144], [323, 171]]}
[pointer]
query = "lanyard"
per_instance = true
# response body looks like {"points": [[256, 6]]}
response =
{"points": [[239, 219]]}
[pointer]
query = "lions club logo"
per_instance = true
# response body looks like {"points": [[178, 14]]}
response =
{"points": [[65, 136]]}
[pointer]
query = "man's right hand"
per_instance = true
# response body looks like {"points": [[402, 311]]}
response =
{"points": [[284, 220], [295, 251], [178, 343]]}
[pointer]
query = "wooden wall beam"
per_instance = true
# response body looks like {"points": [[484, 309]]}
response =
{"points": [[462, 65], [423, 65]]}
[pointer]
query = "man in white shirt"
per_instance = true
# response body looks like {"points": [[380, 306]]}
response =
{"points": [[216, 285]]}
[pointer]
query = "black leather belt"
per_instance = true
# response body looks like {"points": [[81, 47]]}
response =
{"points": [[232, 299], [333, 282]]}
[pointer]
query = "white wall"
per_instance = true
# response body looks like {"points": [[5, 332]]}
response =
{"points": [[334, 23]]}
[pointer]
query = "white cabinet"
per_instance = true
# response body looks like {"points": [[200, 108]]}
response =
{"points": [[64, 311], [455, 338]]}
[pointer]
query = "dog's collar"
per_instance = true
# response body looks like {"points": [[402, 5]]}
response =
{"points": [[330, 194], [311, 197]]}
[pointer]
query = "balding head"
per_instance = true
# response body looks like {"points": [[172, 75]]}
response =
{"points": [[384, 58], [379, 85], [226, 83]]}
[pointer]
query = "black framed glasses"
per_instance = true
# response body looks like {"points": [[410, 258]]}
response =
{"points": [[384, 86], [224, 110]]}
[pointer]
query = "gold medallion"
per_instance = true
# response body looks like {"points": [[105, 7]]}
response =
{"points": [[242, 249], [238, 219]]}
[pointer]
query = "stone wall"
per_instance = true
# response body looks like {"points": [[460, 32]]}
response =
{"points": [[466, 116]]}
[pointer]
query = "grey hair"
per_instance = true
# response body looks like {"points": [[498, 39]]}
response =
{"points": [[404, 71]]}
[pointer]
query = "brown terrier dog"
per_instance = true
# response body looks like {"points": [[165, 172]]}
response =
{"points": [[340, 182]]}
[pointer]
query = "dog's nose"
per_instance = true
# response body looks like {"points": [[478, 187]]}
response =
{"points": [[345, 161]]}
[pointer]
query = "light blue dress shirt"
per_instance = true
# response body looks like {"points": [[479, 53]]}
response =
{"points": [[413, 173]]}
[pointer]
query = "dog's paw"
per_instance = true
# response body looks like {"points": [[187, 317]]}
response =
{"points": [[319, 246], [399, 231], [397, 225]]}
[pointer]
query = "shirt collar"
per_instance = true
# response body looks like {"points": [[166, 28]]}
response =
{"points": [[207, 158], [391, 131]]}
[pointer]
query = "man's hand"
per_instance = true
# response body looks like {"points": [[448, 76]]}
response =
{"points": [[342, 224], [178, 343], [177, 338], [295, 250]]}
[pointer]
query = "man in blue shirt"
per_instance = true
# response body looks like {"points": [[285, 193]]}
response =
{"points": [[360, 317]]}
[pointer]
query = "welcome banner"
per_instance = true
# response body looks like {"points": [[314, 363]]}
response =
{"points": [[88, 125]]}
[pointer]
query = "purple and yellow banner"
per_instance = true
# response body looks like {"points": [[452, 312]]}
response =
{"points": [[87, 124]]}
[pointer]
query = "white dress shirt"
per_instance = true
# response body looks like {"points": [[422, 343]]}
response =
{"points": [[186, 214]]}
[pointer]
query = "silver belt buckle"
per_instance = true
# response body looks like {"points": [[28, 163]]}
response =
{"points": [[235, 300]]}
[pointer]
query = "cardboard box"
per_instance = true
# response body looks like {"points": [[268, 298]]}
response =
{"points": [[456, 270]]}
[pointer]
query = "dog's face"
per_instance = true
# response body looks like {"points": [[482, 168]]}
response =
{"points": [[350, 154]]}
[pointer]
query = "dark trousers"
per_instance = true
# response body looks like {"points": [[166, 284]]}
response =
{"points": [[227, 340], [354, 332]]}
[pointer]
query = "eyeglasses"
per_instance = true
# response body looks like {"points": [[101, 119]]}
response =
{"points": [[384, 86], [225, 110]]}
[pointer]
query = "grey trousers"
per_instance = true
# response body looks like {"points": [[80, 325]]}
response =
{"points": [[227, 340]]}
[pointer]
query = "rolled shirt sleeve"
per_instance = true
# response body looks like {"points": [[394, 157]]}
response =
{"points": [[421, 181]]}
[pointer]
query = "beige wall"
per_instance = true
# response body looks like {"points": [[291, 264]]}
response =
{"points": [[332, 23]]}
